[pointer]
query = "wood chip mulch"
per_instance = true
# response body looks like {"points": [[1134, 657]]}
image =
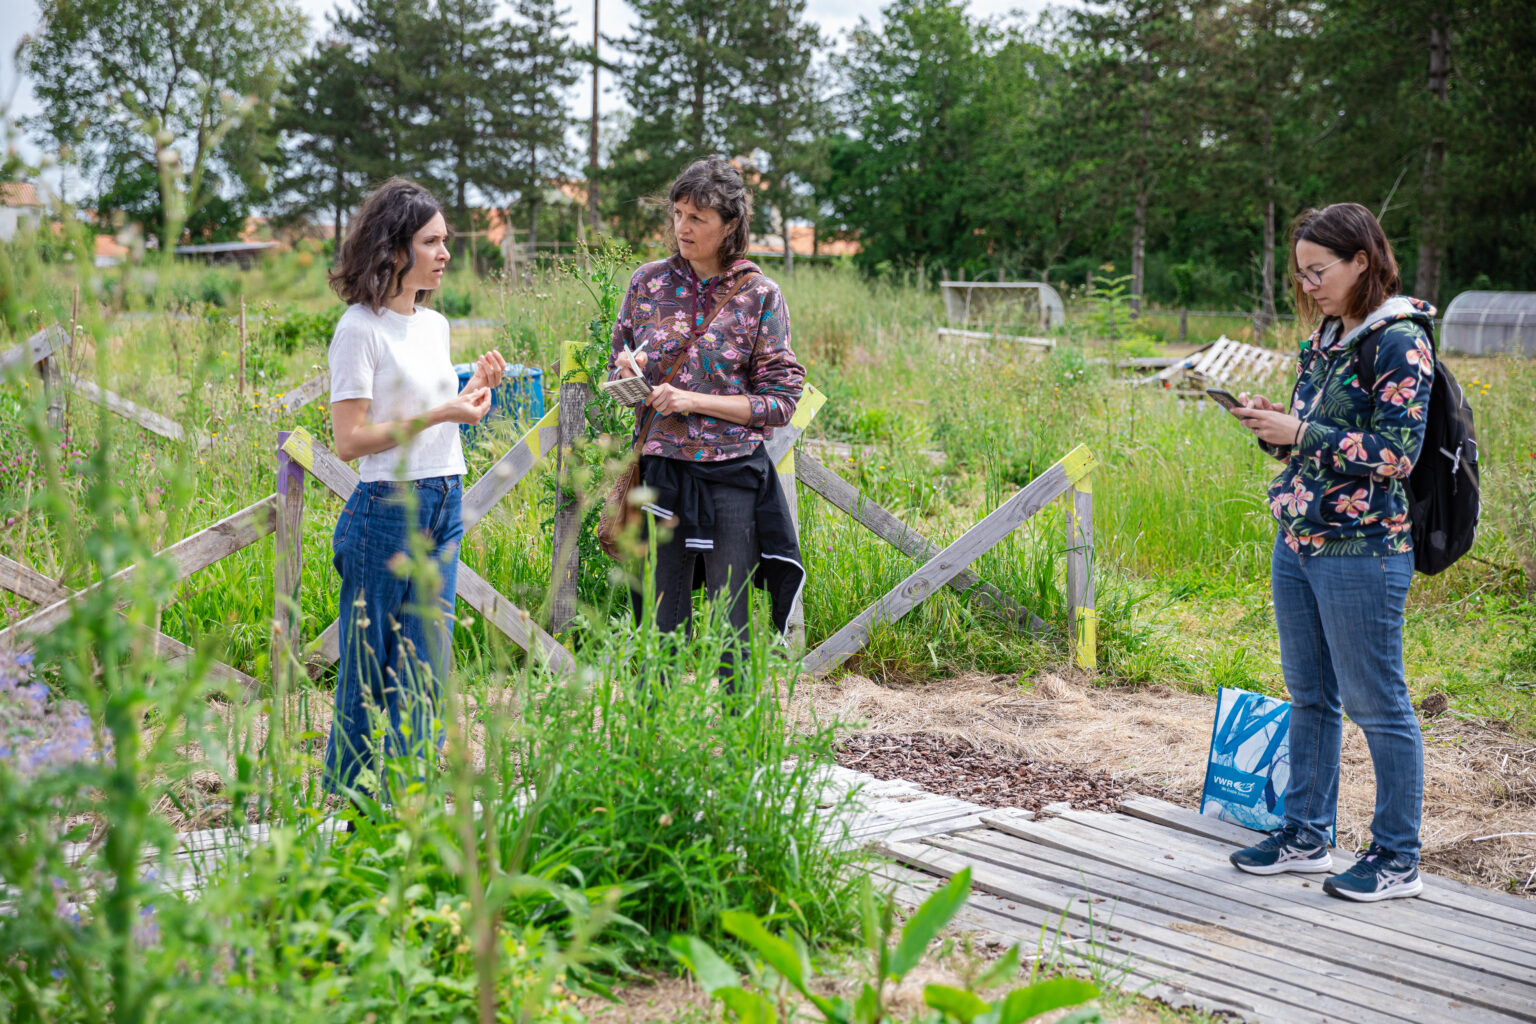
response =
{"points": [[952, 767]]}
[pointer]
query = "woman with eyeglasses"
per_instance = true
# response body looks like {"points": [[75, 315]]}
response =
{"points": [[1343, 558]]}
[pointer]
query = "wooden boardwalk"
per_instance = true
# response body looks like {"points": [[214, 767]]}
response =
{"points": [[1147, 900]]}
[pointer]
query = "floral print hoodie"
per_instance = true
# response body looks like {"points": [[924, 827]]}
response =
{"points": [[1342, 491], [744, 351]]}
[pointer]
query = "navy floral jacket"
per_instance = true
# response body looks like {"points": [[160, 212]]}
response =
{"points": [[1342, 489], [744, 351]]}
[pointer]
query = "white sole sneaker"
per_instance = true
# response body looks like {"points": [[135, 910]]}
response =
{"points": [[1300, 865], [1403, 890]]}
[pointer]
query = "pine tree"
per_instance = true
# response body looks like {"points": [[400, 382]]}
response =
{"points": [[780, 118], [545, 69], [680, 85], [330, 136]]}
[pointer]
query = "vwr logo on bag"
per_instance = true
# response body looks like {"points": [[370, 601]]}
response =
{"points": [[1250, 760]]}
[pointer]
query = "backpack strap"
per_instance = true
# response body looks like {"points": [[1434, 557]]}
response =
{"points": [[1366, 354]]}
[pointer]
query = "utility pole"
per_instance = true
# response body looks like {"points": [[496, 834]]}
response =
{"points": [[592, 138]]}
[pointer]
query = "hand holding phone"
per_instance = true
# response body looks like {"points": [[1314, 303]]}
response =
{"points": [[1226, 399]]}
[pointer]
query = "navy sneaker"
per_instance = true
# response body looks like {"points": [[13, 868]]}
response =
{"points": [[1379, 875], [1284, 851]]}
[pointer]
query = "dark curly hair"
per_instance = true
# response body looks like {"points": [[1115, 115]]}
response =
{"points": [[1345, 229], [368, 272], [713, 184]]}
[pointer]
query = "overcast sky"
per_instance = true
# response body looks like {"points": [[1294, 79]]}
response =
{"points": [[836, 17]]}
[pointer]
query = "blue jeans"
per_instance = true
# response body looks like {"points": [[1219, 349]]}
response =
{"points": [[396, 626], [1341, 648]]}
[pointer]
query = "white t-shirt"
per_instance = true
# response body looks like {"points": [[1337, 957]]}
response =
{"points": [[402, 364]]}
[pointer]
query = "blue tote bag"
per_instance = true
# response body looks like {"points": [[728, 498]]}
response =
{"points": [[1250, 760]]}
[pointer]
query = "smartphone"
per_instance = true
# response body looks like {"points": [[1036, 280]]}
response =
{"points": [[1224, 398]]}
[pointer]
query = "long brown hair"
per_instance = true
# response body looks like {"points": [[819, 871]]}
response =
{"points": [[368, 271], [1345, 229]]}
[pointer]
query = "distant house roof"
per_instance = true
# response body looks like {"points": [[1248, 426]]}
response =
{"points": [[108, 247], [220, 248], [802, 240], [19, 193]]}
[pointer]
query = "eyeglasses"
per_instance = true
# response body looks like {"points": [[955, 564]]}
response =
{"points": [[1314, 276]]}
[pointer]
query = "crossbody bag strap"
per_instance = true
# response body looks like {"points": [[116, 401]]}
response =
{"points": [[682, 357]]}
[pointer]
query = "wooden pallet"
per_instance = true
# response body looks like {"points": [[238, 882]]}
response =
{"points": [[1218, 364], [1150, 894]]}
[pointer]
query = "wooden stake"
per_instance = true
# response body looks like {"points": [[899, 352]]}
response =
{"points": [[241, 385], [287, 571], [575, 392], [1081, 614]]}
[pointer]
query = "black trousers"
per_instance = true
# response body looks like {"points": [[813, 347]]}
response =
{"points": [[728, 568]]}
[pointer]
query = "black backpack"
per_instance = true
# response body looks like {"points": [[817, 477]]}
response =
{"points": [[1443, 496]]}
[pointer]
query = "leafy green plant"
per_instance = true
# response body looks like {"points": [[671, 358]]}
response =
{"points": [[780, 966]]}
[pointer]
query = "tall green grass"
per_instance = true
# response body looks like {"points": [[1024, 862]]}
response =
{"points": [[1179, 507]]}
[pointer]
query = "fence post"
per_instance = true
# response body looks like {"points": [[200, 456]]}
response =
{"points": [[575, 391], [1183, 325], [1082, 617], [240, 388], [287, 570]]}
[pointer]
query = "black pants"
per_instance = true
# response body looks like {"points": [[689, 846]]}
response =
{"points": [[728, 568]]}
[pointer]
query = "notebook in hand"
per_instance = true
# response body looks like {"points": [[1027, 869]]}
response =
{"points": [[629, 391]]}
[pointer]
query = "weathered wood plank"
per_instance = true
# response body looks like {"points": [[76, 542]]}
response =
{"points": [[1017, 339], [1146, 878], [39, 589], [1144, 967], [187, 556], [948, 563], [1490, 936], [296, 398], [50, 340], [1080, 607], [131, 411], [1474, 899], [885, 525], [324, 651], [29, 583], [517, 624], [1256, 970], [1133, 905], [287, 571], [338, 477], [565, 567], [543, 437]]}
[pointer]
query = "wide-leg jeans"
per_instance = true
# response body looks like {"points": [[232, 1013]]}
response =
{"points": [[396, 623]]}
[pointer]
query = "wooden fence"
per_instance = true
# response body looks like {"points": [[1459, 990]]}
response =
{"points": [[300, 458]]}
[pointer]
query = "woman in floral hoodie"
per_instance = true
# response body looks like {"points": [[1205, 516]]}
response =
{"points": [[715, 338], [1343, 559]]}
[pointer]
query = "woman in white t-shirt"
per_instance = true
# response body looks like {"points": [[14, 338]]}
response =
{"points": [[396, 408]]}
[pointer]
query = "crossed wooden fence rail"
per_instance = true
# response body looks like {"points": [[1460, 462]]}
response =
{"points": [[299, 458]]}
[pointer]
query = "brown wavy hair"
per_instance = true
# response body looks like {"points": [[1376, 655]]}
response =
{"points": [[368, 271], [713, 184], [1345, 229]]}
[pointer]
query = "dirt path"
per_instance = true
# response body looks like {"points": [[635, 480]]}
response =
{"points": [[1056, 733]]}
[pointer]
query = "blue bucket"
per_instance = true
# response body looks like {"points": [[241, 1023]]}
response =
{"points": [[519, 396]]}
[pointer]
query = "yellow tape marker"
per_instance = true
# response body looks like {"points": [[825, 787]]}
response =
{"points": [[1084, 485], [1078, 463], [811, 401], [1087, 637], [570, 372], [300, 447], [533, 439]]}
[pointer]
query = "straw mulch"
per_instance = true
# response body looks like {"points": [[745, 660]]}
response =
{"points": [[1479, 780]]}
